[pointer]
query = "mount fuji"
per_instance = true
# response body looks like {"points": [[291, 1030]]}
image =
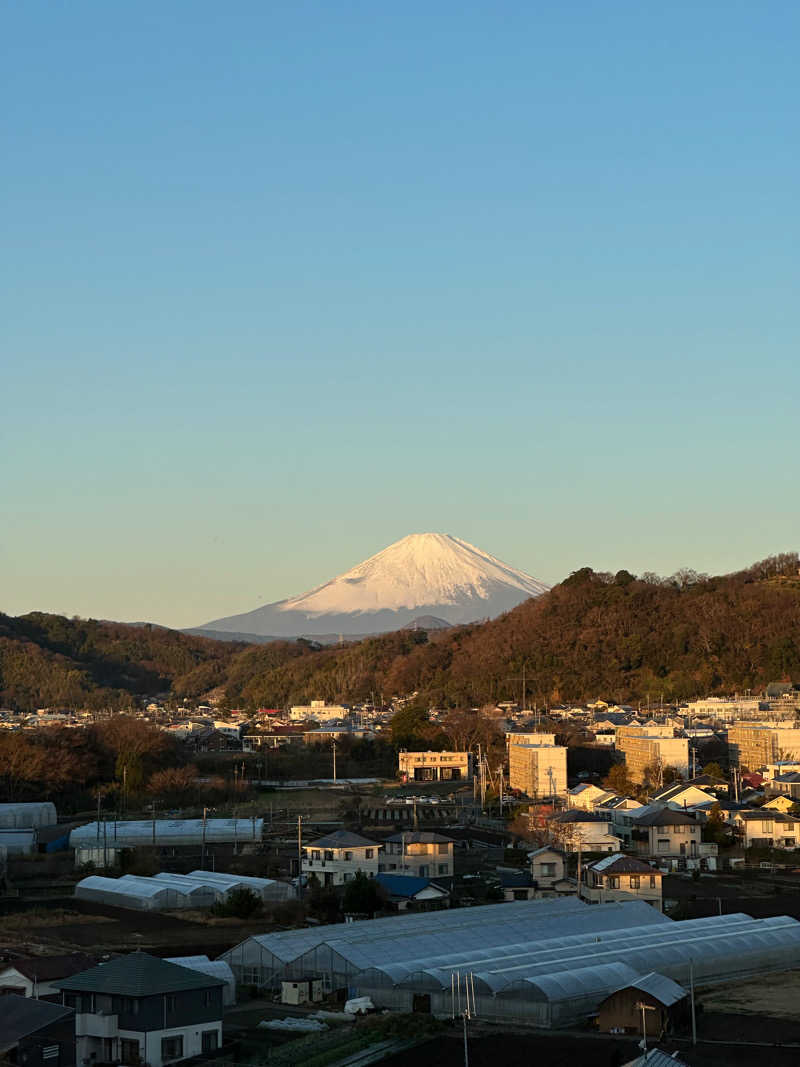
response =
{"points": [[426, 574]]}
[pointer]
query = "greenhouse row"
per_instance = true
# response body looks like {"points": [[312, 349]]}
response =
{"points": [[551, 966], [131, 832], [162, 892], [27, 816]]}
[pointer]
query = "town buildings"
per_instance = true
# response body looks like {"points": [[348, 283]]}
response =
{"points": [[643, 751], [420, 854]]}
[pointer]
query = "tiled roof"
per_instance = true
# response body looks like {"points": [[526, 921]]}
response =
{"points": [[667, 817], [44, 968], [25, 1015], [137, 975], [342, 839]]}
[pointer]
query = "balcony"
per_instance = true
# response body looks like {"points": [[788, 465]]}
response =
{"points": [[96, 1024]]}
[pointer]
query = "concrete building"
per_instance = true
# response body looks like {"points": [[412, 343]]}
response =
{"points": [[725, 709], [514, 737], [642, 751], [319, 711], [649, 729], [419, 854], [139, 1008], [538, 770], [337, 857], [754, 745], [618, 877], [435, 766], [588, 797]]}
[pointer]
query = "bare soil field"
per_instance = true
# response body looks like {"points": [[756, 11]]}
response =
{"points": [[776, 996]]}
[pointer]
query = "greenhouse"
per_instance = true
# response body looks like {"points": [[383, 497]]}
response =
{"points": [[332, 950], [267, 889], [27, 816], [129, 833], [546, 963], [558, 981], [216, 968], [142, 894]]}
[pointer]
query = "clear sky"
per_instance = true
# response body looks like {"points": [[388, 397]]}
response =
{"points": [[284, 282]]}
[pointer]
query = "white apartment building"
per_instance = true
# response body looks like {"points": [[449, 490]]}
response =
{"points": [[621, 878], [726, 709], [538, 770], [319, 711]]}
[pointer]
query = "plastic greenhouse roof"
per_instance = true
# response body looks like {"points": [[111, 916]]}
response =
{"points": [[288, 945], [120, 887]]}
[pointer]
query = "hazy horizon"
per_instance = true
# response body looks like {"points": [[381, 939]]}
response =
{"points": [[285, 283]]}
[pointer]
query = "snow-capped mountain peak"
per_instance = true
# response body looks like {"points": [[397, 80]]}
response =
{"points": [[419, 570], [425, 574]]}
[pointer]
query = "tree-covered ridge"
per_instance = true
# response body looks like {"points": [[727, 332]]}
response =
{"points": [[615, 636]]}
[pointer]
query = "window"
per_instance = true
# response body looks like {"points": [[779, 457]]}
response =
{"points": [[653, 881], [635, 881], [443, 849], [369, 853], [766, 827], [328, 854], [315, 853], [442, 868], [348, 855], [210, 1040], [129, 1051], [172, 1048], [169, 1003], [548, 870], [613, 882], [662, 845], [208, 998]]}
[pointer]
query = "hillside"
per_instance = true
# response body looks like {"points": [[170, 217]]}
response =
{"points": [[593, 635]]}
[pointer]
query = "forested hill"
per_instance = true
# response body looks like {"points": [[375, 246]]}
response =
{"points": [[614, 636]]}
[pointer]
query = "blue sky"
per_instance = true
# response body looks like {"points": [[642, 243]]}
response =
{"points": [[284, 282]]}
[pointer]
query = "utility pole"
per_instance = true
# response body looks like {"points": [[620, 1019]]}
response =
{"points": [[691, 994], [299, 857], [333, 741], [644, 1008]]}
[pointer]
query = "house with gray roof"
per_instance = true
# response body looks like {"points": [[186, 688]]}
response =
{"points": [[618, 878], [336, 858], [141, 1009]]}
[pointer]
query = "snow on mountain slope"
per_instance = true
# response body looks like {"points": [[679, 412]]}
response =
{"points": [[428, 568], [430, 573]]}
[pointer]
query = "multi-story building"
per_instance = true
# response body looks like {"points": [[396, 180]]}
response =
{"points": [[338, 857], [420, 854], [538, 770], [319, 711], [434, 766], [619, 878], [725, 709], [140, 1009], [642, 751], [517, 737], [755, 745]]}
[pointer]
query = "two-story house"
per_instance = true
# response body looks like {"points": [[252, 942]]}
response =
{"points": [[668, 834], [419, 853], [141, 1009], [338, 857], [582, 831], [617, 877], [766, 829], [548, 871]]}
